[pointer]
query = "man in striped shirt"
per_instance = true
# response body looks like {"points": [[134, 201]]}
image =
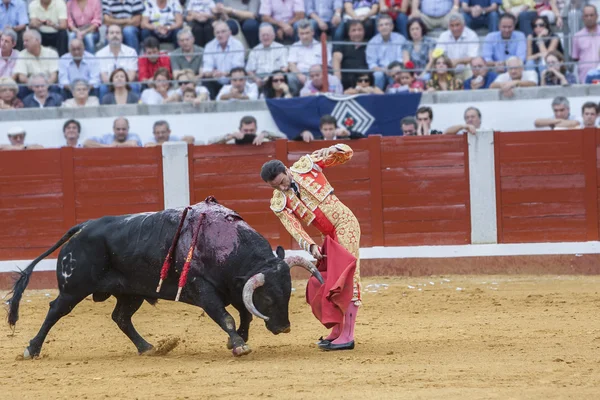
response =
{"points": [[128, 15]]}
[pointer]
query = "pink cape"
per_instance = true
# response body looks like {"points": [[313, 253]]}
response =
{"points": [[330, 300]]}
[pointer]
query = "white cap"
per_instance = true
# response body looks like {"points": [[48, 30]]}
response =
{"points": [[15, 130]]}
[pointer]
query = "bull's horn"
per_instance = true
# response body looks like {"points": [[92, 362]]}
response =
{"points": [[256, 281], [297, 261]]}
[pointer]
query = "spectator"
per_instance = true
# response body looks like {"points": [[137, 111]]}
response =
{"points": [[78, 64], [41, 96], [350, 56], [364, 85], [187, 80], [15, 17], [16, 137], [306, 52], [404, 78], [550, 10], [459, 43], [434, 13], [120, 90], [188, 57], [276, 86], [325, 16], [127, 15], [84, 17], [540, 43], [399, 11], [315, 84], [586, 43], [162, 134], [81, 96], [152, 60], [244, 13], [482, 76], [8, 54], [523, 11], [556, 72], [419, 47], [499, 46], [409, 126], [72, 132], [481, 14], [49, 17], [589, 115], [515, 77], [283, 15], [472, 123], [382, 49], [240, 88], [162, 19], [247, 134], [200, 15], [114, 56], [562, 115], [222, 54], [35, 59], [424, 120], [8, 94], [158, 92], [190, 96], [443, 77], [363, 11], [267, 56], [121, 137], [329, 131]]}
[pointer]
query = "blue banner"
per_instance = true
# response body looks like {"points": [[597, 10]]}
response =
{"points": [[366, 114]]}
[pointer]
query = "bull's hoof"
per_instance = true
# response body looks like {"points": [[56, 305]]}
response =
{"points": [[241, 351], [163, 347], [26, 355]]}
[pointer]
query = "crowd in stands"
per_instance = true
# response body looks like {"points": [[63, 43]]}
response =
{"points": [[249, 49]]}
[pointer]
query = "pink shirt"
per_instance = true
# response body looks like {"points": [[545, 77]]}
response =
{"points": [[281, 10], [7, 65], [586, 49], [78, 18]]}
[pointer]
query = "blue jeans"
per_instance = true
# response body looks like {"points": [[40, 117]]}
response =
{"points": [[525, 19], [489, 21], [89, 41], [381, 79], [330, 29], [401, 25], [131, 37], [249, 28]]}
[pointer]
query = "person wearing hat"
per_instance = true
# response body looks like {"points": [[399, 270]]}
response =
{"points": [[16, 137]]}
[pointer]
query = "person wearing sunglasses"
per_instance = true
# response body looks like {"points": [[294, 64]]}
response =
{"points": [[277, 87], [364, 85], [540, 43]]}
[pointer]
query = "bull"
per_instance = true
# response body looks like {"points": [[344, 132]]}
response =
{"points": [[121, 256]]}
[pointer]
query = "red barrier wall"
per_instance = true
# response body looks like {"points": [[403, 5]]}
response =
{"points": [[45, 192], [546, 186]]}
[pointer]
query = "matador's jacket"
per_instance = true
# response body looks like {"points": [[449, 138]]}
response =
{"points": [[317, 205]]}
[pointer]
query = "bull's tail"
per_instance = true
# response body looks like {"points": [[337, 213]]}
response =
{"points": [[23, 278]]}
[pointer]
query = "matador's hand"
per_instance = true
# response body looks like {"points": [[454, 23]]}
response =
{"points": [[323, 153], [315, 252]]}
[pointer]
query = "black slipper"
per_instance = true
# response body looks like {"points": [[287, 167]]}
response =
{"points": [[344, 346]]}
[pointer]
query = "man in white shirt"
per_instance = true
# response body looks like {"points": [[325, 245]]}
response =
{"points": [[515, 77], [305, 52], [221, 55], [266, 57], [460, 44], [117, 55], [239, 88], [561, 108], [472, 123]]}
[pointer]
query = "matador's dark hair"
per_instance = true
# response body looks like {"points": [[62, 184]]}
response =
{"points": [[271, 169]]}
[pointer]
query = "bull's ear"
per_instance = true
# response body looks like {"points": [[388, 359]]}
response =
{"points": [[280, 252]]}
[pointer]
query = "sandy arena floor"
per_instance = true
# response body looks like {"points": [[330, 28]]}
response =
{"points": [[452, 337]]}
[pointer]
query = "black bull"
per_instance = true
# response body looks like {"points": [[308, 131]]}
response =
{"points": [[122, 257]]}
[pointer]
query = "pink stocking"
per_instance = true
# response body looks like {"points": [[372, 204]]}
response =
{"points": [[335, 333], [347, 334]]}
